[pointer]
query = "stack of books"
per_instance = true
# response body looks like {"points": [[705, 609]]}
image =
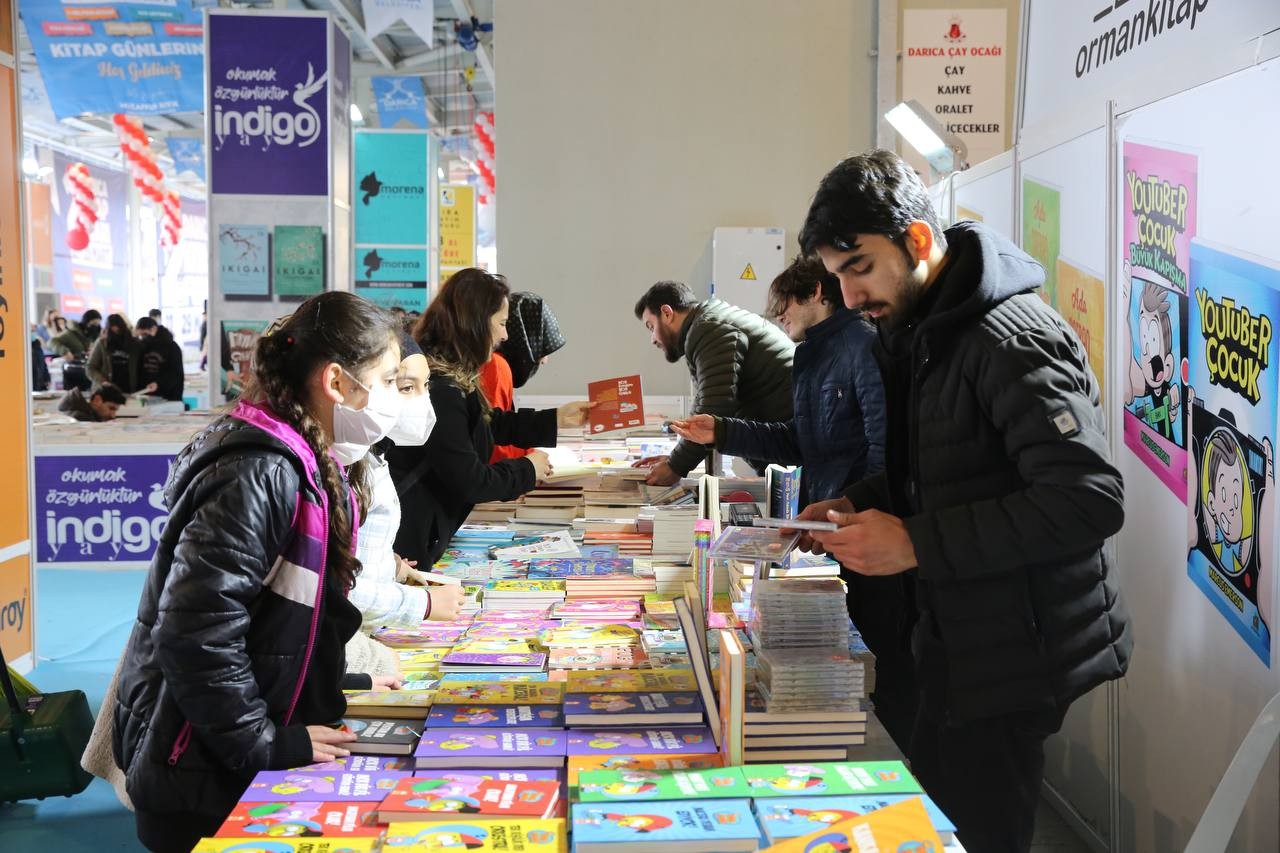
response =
{"points": [[538, 594], [493, 511], [672, 530], [558, 504]]}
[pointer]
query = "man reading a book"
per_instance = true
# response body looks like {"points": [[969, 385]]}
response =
{"points": [[740, 364], [997, 496]]}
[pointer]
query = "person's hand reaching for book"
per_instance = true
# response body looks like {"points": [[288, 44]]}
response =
{"points": [[700, 429], [446, 602], [541, 464], [662, 474], [326, 743], [386, 682], [573, 414], [818, 512]]}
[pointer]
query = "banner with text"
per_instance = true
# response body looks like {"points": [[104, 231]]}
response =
{"points": [[400, 99], [99, 274], [457, 229], [954, 63], [268, 105], [391, 188], [393, 277]]}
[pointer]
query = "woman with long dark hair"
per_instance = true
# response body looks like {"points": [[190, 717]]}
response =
{"points": [[440, 482]]}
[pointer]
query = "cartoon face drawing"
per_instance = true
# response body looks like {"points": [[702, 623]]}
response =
{"points": [[467, 741], [640, 822], [613, 740], [825, 816], [1155, 331], [612, 702], [298, 783], [1227, 496]]}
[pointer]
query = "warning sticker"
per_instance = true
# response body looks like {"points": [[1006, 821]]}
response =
{"points": [[748, 274]]}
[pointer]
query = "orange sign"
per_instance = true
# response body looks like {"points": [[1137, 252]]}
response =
{"points": [[39, 225], [16, 612], [6, 26]]}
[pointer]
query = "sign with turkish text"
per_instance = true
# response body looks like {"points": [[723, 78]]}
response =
{"points": [[393, 277], [457, 227]]}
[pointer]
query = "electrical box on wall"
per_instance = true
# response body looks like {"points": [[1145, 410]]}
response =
{"points": [[744, 262]]}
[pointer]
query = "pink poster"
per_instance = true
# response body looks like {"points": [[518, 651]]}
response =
{"points": [[1159, 211]]}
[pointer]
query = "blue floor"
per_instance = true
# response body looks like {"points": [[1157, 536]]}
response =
{"points": [[82, 621]]}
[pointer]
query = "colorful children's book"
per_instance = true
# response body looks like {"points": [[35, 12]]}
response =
{"points": [[496, 835], [496, 716], [359, 764], [286, 845], [525, 630], [278, 820], [528, 587], [450, 679], [792, 817], [595, 786], [619, 404], [902, 826], [383, 737], [500, 693], [711, 826], [459, 748], [632, 709], [598, 610], [426, 659], [579, 764], [537, 615], [588, 636], [582, 568], [663, 640], [843, 777], [418, 638], [285, 786], [395, 704], [688, 740], [634, 681], [556, 544], [451, 794], [490, 643], [472, 661], [732, 698], [600, 657]]}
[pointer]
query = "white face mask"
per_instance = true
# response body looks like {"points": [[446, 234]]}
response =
{"points": [[356, 430], [417, 419]]}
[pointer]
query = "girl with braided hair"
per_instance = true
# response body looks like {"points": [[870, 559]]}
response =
{"points": [[236, 661]]}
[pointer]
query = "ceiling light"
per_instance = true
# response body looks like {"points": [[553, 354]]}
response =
{"points": [[356, 115], [30, 167], [440, 172], [945, 151]]}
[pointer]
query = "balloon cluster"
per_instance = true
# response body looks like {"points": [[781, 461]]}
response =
{"points": [[172, 220], [147, 175], [82, 212], [482, 130]]}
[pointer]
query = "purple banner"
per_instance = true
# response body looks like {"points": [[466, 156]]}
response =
{"points": [[99, 509], [268, 111]]}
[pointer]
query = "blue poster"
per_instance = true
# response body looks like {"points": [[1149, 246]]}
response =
{"points": [[1231, 400], [391, 200], [393, 277], [244, 260], [140, 58], [187, 154], [100, 272], [400, 102]]}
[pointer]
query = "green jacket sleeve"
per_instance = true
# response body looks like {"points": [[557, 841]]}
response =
{"points": [[716, 353]]}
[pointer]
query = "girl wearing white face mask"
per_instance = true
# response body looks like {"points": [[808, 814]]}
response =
{"points": [[379, 593]]}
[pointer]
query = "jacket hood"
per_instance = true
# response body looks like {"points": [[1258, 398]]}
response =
{"points": [[233, 433], [983, 269], [162, 336]]}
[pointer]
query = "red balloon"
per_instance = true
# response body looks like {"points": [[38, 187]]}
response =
{"points": [[77, 240]]}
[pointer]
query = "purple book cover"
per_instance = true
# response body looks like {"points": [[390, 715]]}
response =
{"points": [[446, 743], [498, 659], [292, 786], [359, 764], [690, 740], [603, 704], [503, 630], [495, 716]]}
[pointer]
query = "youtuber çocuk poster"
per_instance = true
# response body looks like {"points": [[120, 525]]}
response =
{"points": [[1159, 221], [1231, 403]]}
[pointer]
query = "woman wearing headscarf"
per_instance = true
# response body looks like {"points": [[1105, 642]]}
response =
{"points": [[533, 334]]}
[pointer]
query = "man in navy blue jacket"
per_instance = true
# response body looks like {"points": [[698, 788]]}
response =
{"points": [[837, 435]]}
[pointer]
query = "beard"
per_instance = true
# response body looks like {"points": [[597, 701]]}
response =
{"points": [[902, 311]]}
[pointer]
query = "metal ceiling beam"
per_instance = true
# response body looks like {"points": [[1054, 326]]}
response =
{"points": [[462, 8], [356, 24]]}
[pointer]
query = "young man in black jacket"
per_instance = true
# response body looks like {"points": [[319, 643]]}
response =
{"points": [[161, 360], [998, 494]]}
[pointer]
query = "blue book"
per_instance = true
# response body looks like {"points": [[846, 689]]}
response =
{"points": [[724, 826], [792, 817], [490, 677], [577, 568]]}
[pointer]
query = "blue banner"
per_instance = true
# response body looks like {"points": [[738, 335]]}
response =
{"points": [[391, 202], [98, 273], [400, 99], [140, 58], [188, 155]]}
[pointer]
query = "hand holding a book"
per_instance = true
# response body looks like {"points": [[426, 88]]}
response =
{"points": [[700, 429], [869, 543], [574, 414], [326, 743], [541, 464], [387, 682], [817, 512], [446, 602], [662, 474]]}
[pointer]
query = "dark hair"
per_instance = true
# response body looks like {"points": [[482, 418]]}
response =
{"points": [[155, 314], [796, 283], [455, 332], [673, 293], [1155, 300], [145, 323], [89, 316], [117, 321], [108, 393], [332, 327], [873, 193]]}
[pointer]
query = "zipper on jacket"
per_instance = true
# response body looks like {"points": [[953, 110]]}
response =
{"points": [[913, 453], [180, 744], [315, 612]]}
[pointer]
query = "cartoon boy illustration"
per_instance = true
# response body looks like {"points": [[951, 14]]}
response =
{"points": [[1152, 377], [461, 741], [611, 702], [297, 783], [641, 823], [449, 837]]}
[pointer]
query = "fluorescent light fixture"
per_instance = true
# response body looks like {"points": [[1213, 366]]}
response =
{"points": [[356, 116], [944, 150], [440, 172], [30, 167]]}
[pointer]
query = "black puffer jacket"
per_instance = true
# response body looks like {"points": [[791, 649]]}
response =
{"points": [[162, 364], [1006, 488], [741, 368], [231, 648]]}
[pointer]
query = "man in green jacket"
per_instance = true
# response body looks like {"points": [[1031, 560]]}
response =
{"points": [[740, 364]]}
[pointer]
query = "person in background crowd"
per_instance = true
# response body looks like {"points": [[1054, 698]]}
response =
{"points": [[837, 435], [381, 594], [398, 314], [740, 364], [997, 496], [74, 340], [102, 404], [236, 662], [440, 482], [45, 330], [155, 314], [115, 356], [533, 334], [39, 367], [160, 370]]}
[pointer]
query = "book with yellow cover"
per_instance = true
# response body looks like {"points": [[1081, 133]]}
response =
{"points": [[257, 844], [901, 826], [500, 693], [395, 704], [587, 636], [496, 835], [630, 681]]}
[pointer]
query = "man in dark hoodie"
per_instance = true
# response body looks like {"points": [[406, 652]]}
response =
{"points": [[160, 371], [997, 498]]}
